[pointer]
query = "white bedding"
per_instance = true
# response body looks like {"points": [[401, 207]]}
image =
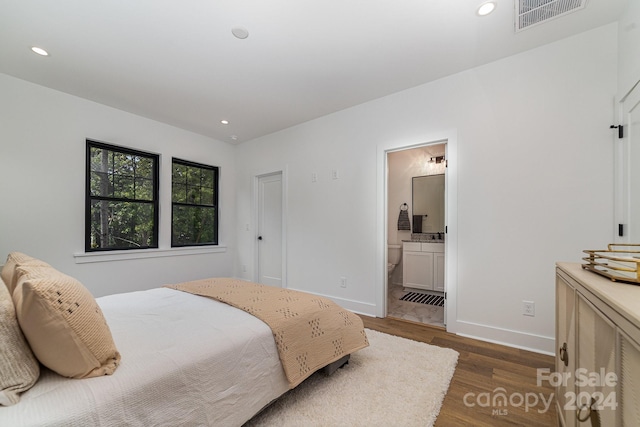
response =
{"points": [[186, 360]]}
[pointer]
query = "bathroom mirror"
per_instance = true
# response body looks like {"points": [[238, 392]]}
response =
{"points": [[428, 202]]}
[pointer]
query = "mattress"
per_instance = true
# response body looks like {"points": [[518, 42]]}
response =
{"points": [[186, 360]]}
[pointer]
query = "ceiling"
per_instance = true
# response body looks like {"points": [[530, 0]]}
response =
{"points": [[177, 61]]}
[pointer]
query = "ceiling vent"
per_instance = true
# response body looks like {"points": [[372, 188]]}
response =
{"points": [[534, 12]]}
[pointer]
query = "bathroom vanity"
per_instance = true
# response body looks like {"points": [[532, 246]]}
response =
{"points": [[423, 265]]}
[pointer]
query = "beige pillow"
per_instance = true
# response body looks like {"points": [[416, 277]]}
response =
{"points": [[63, 324], [19, 369], [14, 259]]}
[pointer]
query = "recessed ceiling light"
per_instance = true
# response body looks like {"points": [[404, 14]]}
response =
{"points": [[234, 137], [224, 122], [240, 32], [39, 51], [486, 8]]}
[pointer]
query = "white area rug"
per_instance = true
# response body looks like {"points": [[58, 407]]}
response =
{"points": [[393, 382]]}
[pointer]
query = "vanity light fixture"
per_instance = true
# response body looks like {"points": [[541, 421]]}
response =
{"points": [[486, 8], [436, 159], [40, 51]]}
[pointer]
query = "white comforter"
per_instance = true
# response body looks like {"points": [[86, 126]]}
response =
{"points": [[186, 360]]}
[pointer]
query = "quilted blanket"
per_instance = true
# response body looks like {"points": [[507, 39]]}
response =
{"points": [[310, 331]]}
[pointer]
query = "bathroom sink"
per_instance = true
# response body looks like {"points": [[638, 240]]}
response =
{"points": [[427, 237]]}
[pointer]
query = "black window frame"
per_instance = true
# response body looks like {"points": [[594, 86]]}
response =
{"points": [[214, 206], [155, 202]]}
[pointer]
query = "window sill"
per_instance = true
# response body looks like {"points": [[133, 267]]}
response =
{"points": [[107, 256]]}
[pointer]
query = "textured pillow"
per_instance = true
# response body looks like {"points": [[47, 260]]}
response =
{"points": [[63, 323], [19, 369], [14, 259]]}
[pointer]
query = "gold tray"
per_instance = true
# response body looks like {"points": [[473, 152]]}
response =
{"points": [[619, 262]]}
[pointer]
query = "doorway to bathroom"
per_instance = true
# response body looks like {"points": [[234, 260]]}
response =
{"points": [[416, 233]]}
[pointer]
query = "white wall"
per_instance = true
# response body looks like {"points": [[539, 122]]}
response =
{"points": [[534, 179], [42, 183]]}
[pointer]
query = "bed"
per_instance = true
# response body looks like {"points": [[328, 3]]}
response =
{"points": [[184, 359]]}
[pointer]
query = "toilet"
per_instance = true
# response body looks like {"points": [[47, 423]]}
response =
{"points": [[394, 253]]}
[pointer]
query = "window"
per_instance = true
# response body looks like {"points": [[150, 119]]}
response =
{"points": [[122, 198], [194, 213]]}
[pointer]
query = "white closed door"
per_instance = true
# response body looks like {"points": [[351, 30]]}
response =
{"points": [[627, 170], [270, 229]]}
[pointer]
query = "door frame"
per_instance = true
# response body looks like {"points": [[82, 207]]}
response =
{"points": [[451, 196], [622, 166], [255, 217]]}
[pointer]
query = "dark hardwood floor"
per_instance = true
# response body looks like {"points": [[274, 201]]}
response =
{"points": [[484, 373]]}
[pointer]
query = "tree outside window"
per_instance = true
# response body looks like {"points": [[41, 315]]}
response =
{"points": [[122, 198], [194, 216]]}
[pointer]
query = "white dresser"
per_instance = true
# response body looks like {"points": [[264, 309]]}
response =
{"points": [[597, 375]]}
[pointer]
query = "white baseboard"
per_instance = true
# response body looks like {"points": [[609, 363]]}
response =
{"points": [[359, 307], [517, 339]]}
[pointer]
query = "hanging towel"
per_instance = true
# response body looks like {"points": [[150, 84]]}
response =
{"points": [[417, 223], [403, 218]]}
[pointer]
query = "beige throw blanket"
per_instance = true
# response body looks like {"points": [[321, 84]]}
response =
{"points": [[310, 331]]}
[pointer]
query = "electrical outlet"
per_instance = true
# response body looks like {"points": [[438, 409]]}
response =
{"points": [[528, 308], [244, 268], [343, 282], [314, 177], [335, 174]]}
